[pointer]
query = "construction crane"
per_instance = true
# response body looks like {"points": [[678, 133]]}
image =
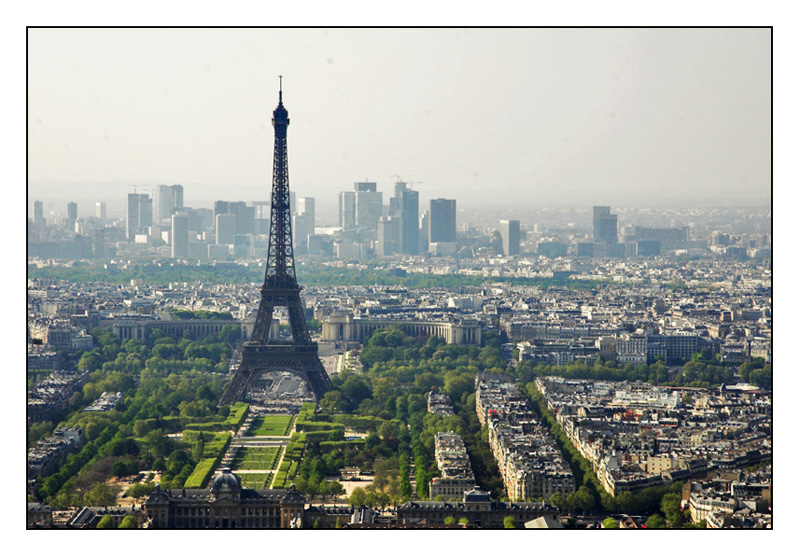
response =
{"points": [[398, 178]]}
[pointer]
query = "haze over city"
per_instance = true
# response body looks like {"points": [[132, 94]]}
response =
{"points": [[537, 117]]}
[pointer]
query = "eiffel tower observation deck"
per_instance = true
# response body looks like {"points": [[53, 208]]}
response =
{"points": [[262, 354]]}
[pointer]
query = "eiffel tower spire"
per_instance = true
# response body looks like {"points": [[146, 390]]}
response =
{"points": [[280, 289]]}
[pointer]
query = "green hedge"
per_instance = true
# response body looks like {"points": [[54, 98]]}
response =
{"points": [[232, 423], [201, 474], [358, 423], [327, 446], [218, 445], [209, 427], [170, 424], [326, 435], [291, 460], [316, 426], [237, 416], [212, 456], [307, 412]]}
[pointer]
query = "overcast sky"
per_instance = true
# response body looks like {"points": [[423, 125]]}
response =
{"points": [[517, 116]]}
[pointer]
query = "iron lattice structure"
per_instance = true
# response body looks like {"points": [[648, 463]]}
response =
{"points": [[280, 289]]}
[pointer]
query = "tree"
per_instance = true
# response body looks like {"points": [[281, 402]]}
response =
{"points": [[389, 430], [671, 507], [119, 469], [331, 401], [358, 497], [656, 521], [610, 523], [324, 489], [38, 431], [509, 522], [105, 522], [582, 499], [355, 389], [128, 522], [450, 520], [101, 495], [337, 490]]}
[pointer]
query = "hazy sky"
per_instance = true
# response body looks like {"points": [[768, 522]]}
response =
{"points": [[517, 116]]}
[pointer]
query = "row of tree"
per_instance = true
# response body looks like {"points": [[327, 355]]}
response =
{"points": [[695, 373], [314, 273]]}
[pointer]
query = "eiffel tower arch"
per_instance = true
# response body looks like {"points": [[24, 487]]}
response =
{"points": [[280, 289]]}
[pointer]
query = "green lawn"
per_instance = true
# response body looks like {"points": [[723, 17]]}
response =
{"points": [[255, 481], [278, 425], [257, 458]]}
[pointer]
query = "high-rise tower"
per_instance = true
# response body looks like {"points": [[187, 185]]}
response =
{"points": [[72, 215], [509, 231], [442, 221], [409, 221], [604, 225], [261, 353]]}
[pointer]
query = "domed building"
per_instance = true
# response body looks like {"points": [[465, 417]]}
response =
{"points": [[226, 484], [225, 504]]}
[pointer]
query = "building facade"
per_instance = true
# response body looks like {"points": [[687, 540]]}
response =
{"points": [[344, 326], [225, 505]]}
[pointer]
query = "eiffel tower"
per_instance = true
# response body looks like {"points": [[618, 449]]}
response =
{"points": [[280, 289]]}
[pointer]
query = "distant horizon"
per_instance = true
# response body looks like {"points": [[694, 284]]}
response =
{"points": [[43, 191]]}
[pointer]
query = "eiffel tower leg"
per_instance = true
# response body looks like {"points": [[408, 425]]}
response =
{"points": [[297, 320], [237, 386], [316, 376], [263, 319]]}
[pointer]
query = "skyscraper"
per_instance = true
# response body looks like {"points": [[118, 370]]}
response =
{"points": [[220, 208], [226, 228], [347, 210], [369, 207], [388, 236], [442, 221], [177, 196], [140, 214], [180, 235], [38, 213], [72, 214], [168, 200], [424, 229], [307, 206], [100, 210], [245, 216], [365, 186], [303, 223], [509, 232], [360, 208], [409, 221], [604, 225], [394, 202], [163, 204]]}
